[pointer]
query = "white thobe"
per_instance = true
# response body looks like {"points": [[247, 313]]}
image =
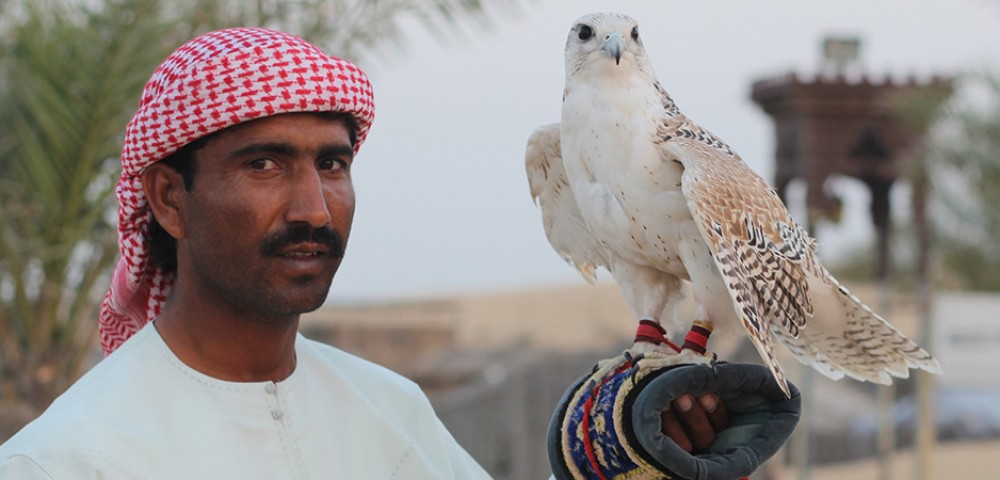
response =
{"points": [[143, 414]]}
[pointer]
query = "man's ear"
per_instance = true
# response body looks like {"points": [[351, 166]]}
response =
{"points": [[165, 194]]}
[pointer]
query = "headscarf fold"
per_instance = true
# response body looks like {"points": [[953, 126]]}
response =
{"points": [[215, 81]]}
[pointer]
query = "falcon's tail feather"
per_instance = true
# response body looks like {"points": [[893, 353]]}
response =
{"points": [[806, 353], [869, 349], [834, 357], [882, 343]]}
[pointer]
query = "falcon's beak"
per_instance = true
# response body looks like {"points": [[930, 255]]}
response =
{"points": [[614, 45]]}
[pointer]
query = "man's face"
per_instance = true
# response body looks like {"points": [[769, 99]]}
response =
{"points": [[269, 215]]}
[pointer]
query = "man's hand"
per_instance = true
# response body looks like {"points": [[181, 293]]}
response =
{"points": [[692, 424]]}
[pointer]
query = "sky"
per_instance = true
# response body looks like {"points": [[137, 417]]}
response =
{"points": [[443, 202]]}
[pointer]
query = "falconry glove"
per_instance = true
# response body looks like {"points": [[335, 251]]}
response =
{"points": [[610, 428]]}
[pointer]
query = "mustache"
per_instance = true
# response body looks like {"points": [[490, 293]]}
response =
{"points": [[302, 233]]}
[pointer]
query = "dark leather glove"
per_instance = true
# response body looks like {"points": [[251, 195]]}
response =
{"points": [[611, 427]]}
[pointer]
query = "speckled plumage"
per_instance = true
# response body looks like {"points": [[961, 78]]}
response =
{"points": [[627, 182]]}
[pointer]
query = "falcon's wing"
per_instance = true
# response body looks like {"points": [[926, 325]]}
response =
{"points": [[762, 254], [768, 262], [564, 226]]}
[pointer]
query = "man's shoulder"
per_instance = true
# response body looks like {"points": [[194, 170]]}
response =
{"points": [[73, 431], [103, 401]]}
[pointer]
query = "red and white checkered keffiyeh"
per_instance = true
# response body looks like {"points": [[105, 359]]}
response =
{"points": [[215, 81]]}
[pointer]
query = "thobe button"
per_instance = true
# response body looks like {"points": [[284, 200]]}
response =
{"points": [[277, 413], [271, 388]]}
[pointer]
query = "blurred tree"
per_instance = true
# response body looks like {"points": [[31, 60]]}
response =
{"points": [[70, 76], [355, 29], [966, 179], [954, 183]]}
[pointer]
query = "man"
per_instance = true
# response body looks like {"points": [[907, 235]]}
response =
{"points": [[219, 384], [235, 205]]}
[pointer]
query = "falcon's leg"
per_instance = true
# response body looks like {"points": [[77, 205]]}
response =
{"points": [[696, 339], [651, 345], [693, 351], [649, 292]]}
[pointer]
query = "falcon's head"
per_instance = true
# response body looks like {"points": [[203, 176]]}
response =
{"points": [[607, 42]]}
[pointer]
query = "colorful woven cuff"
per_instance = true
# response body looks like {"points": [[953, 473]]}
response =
{"points": [[610, 429], [592, 440]]}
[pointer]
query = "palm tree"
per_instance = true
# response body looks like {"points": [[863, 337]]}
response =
{"points": [[70, 77]]}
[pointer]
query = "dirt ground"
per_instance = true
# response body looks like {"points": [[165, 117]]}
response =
{"points": [[973, 460]]}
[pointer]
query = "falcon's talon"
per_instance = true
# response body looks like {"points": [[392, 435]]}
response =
{"points": [[638, 358], [633, 373], [660, 359], [628, 357]]}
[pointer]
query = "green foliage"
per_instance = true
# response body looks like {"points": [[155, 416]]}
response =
{"points": [[353, 29], [960, 167], [71, 77], [966, 178]]}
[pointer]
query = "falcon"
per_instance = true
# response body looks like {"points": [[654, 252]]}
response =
{"points": [[627, 182]]}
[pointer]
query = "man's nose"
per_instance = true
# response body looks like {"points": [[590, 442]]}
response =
{"points": [[308, 201]]}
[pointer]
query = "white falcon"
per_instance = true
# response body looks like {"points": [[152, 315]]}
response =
{"points": [[628, 183]]}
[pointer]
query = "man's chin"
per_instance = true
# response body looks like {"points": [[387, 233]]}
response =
{"points": [[307, 296], [288, 308]]}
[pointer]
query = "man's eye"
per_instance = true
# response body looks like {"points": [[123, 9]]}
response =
{"points": [[331, 164], [262, 164]]}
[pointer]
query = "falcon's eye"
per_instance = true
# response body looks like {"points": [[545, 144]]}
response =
{"points": [[586, 32], [635, 33]]}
